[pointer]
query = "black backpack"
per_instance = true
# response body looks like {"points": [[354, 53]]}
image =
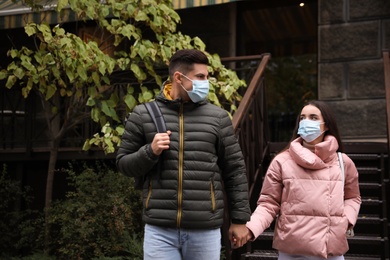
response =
{"points": [[159, 122]]}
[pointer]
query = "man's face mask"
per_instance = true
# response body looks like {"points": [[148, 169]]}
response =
{"points": [[200, 89], [309, 130]]}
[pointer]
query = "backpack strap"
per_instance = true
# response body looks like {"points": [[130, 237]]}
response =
{"points": [[156, 115], [159, 122], [350, 232]]}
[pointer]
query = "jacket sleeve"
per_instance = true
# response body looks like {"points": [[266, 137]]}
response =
{"points": [[268, 204], [232, 164], [134, 157], [352, 199]]}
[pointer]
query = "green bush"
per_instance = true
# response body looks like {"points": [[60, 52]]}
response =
{"points": [[100, 218], [20, 228]]}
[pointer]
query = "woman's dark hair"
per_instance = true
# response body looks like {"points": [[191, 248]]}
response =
{"points": [[184, 60], [329, 119]]}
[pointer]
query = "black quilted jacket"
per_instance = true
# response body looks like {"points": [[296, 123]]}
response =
{"points": [[187, 192]]}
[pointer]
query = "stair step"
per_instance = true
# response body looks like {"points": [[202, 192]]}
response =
{"points": [[371, 201], [370, 219], [363, 157], [368, 170], [369, 174], [266, 235], [370, 185], [365, 239], [373, 225]]}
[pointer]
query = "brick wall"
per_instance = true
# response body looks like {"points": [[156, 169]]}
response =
{"points": [[351, 37]]}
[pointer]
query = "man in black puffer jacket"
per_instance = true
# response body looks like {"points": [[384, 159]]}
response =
{"points": [[200, 158]]}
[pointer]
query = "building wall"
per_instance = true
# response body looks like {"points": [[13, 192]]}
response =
{"points": [[351, 37]]}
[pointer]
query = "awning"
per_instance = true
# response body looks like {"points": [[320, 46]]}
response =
{"points": [[16, 15], [181, 4]]}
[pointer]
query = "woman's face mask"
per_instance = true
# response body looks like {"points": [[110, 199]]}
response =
{"points": [[200, 89], [310, 130]]}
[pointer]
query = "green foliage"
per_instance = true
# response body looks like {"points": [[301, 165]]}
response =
{"points": [[35, 256], [20, 228], [291, 81], [64, 66], [100, 217]]}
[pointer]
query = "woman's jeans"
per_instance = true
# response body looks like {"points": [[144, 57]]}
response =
{"points": [[161, 243]]}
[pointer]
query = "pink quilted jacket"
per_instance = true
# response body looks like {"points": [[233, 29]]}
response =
{"points": [[304, 190]]}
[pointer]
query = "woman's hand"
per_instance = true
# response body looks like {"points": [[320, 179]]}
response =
{"points": [[239, 235]]}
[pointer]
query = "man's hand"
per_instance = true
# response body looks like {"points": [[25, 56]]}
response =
{"points": [[161, 142], [239, 234]]}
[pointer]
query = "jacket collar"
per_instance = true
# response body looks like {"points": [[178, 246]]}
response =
{"points": [[324, 152], [165, 96]]}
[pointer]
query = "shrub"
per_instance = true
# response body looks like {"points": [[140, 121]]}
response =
{"points": [[20, 228], [100, 218]]}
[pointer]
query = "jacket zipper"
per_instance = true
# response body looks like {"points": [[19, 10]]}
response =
{"points": [[149, 195], [180, 173], [212, 195]]}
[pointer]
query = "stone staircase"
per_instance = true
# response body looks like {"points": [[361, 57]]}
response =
{"points": [[371, 239]]}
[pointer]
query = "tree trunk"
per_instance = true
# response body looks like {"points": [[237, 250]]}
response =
{"points": [[49, 190]]}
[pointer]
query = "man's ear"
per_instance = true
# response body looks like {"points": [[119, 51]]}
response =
{"points": [[177, 77]]}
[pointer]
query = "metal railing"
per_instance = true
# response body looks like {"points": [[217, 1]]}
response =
{"points": [[251, 127], [250, 123]]}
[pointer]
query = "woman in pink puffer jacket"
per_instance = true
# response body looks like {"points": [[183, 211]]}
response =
{"points": [[305, 189]]}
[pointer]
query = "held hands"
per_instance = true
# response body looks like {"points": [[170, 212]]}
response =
{"points": [[239, 235], [160, 142]]}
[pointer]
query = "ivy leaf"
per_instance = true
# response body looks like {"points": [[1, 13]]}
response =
{"points": [[30, 29], [51, 90], [139, 74], [19, 73], [90, 102], [130, 101], [86, 145], [10, 81], [95, 114], [141, 16], [3, 74], [81, 71]]}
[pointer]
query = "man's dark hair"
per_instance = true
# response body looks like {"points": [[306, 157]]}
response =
{"points": [[184, 60]]}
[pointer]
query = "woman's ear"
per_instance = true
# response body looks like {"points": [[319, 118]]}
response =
{"points": [[326, 128]]}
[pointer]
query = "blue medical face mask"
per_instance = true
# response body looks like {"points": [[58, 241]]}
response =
{"points": [[200, 89], [309, 130]]}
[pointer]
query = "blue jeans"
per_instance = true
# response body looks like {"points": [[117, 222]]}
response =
{"points": [[175, 244]]}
